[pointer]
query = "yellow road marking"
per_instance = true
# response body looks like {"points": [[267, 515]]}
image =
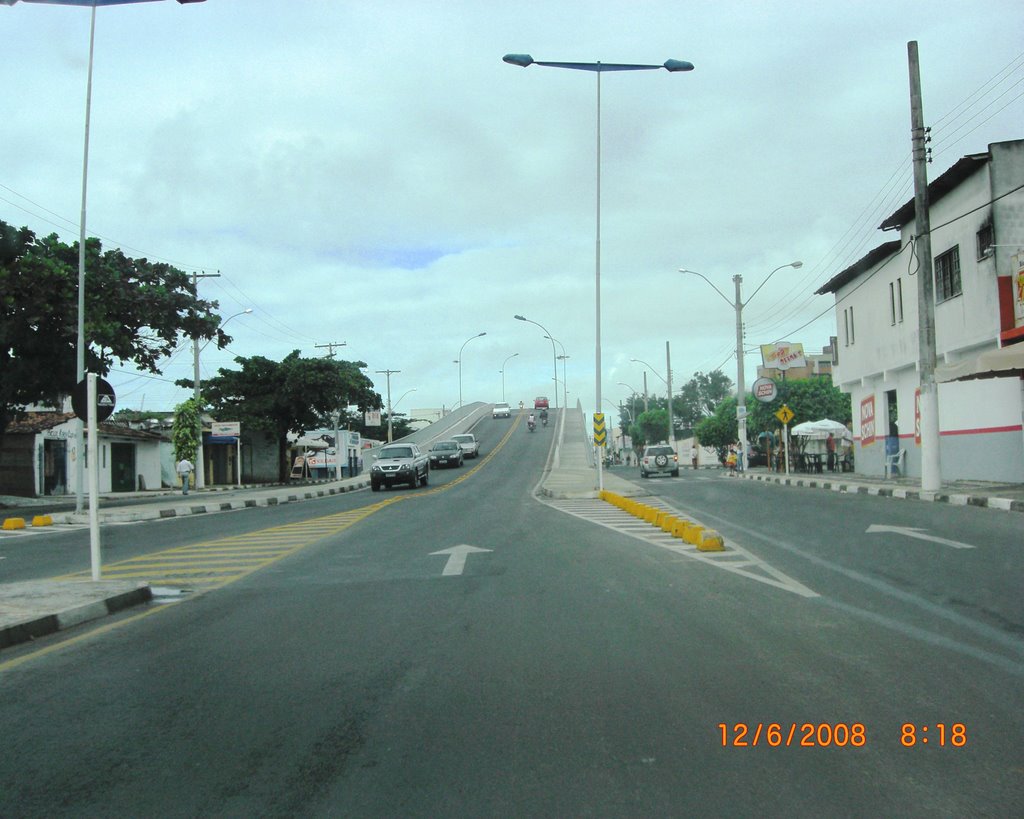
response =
{"points": [[201, 564]]}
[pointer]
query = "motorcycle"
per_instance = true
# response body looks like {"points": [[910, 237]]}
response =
{"points": [[531, 425], [544, 420]]}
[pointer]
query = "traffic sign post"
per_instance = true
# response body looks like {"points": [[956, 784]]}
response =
{"points": [[600, 430], [785, 415]]}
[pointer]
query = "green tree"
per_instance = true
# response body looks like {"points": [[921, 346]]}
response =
{"points": [[135, 312], [719, 430], [698, 399], [652, 425], [185, 429], [811, 399], [293, 395]]}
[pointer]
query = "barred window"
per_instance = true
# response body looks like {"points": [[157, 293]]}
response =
{"points": [[947, 275], [986, 238]]}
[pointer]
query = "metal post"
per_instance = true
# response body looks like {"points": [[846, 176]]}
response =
{"points": [[597, 282], [94, 479], [668, 383]]}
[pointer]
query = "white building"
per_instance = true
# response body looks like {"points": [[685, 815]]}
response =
{"points": [[977, 234]]}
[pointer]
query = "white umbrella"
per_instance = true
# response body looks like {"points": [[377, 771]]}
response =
{"points": [[819, 430]]}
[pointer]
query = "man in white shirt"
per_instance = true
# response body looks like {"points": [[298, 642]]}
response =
{"points": [[184, 469]]}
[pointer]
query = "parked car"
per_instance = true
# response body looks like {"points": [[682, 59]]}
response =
{"points": [[399, 463], [501, 411], [660, 459], [445, 453], [540, 402], [469, 444]]}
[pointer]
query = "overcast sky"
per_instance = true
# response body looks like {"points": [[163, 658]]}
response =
{"points": [[373, 173]]}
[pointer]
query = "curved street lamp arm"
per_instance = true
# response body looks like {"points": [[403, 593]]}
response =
{"points": [[713, 287], [762, 284]]}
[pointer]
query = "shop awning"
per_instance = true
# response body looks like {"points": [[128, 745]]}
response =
{"points": [[1004, 362]]}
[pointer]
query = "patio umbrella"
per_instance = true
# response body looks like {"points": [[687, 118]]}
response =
{"points": [[819, 430]]}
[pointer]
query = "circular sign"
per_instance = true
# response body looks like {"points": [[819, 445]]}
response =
{"points": [[105, 399], [765, 390]]}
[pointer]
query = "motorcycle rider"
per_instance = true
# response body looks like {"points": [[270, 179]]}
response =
{"points": [[544, 416], [530, 422]]}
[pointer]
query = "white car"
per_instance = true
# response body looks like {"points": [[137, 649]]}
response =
{"points": [[469, 444], [501, 411]]}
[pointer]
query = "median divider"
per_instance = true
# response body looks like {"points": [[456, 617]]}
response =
{"points": [[706, 540]]}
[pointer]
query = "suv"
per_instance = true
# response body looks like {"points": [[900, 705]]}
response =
{"points": [[468, 442], [540, 402], [399, 463], [501, 411], [659, 460]]}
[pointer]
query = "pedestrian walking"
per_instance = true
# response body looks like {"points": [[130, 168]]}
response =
{"points": [[184, 469]]}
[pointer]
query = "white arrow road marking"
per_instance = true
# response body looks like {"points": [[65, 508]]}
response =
{"points": [[910, 531], [457, 557]]}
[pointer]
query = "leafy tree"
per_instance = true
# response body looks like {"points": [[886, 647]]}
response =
{"points": [[185, 430], [811, 399], [719, 430], [292, 395], [135, 312], [698, 399], [651, 425]]}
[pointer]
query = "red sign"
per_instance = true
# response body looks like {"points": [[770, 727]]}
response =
{"points": [[867, 421]]}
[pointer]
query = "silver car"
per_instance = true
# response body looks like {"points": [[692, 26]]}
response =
{"points": [[660, 459]]}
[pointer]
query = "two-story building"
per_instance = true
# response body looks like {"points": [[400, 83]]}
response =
{"points": [[976, 210]]}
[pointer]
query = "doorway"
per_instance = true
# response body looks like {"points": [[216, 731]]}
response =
{"points": [[122, 467]]}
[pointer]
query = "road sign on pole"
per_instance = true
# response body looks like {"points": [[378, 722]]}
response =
{"points": [[106, 400]]}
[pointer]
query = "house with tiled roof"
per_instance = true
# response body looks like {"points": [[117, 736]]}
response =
{"points": [[38, 452]]}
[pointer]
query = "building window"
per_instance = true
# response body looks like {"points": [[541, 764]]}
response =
{"points": [[896, 294], [848, 332], [986, 238], [947, 275], [892, 303]]}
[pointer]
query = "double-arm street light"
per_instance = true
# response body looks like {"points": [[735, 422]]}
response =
{"points": [[554, 353], [738, 305], [598, 68], [459, 361], [80, 342]]}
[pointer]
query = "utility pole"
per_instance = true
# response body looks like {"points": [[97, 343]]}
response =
{"points": [[200, 468], [741, 389], [931, 465], [330, 347], [389, 373], [668, 381]]}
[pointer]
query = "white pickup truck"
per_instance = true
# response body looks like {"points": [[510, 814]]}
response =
{"points": [[468, 442]]}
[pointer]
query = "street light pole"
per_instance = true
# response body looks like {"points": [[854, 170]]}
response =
{"points": [[389, 373], [668, 386], [738, 304], [503, 363], [80, 336], [525, 60], [463, 347], [554, 352]]}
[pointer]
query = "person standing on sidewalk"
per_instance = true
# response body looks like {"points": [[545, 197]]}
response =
{"points": [[184, 469]]}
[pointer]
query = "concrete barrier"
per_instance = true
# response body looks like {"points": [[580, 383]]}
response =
{"points": [[10, 524]]}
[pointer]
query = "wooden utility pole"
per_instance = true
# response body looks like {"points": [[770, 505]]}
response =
{"points": [[931, 466]]}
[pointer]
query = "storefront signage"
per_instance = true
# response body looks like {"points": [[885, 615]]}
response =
{"points": [[867, 421]]}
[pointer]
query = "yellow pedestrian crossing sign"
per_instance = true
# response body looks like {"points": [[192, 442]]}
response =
{"points": [[785, 414], [600, 431]]}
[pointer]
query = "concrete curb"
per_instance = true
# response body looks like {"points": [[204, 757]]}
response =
{"points": [[856, 487], [74, 613], [130, 515]]}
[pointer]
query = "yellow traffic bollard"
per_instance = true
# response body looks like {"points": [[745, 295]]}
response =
{"points": [[710, 541], [11, 524]]}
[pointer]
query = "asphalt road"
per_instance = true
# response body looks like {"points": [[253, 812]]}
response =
{"points": [[571, 670]]}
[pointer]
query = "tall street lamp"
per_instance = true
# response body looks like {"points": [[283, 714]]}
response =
{"points": [[565, 387], [554, 353], [503, 363], [80, 342], [525, 60], [459, 361], [389, 373], [738, 305]]}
